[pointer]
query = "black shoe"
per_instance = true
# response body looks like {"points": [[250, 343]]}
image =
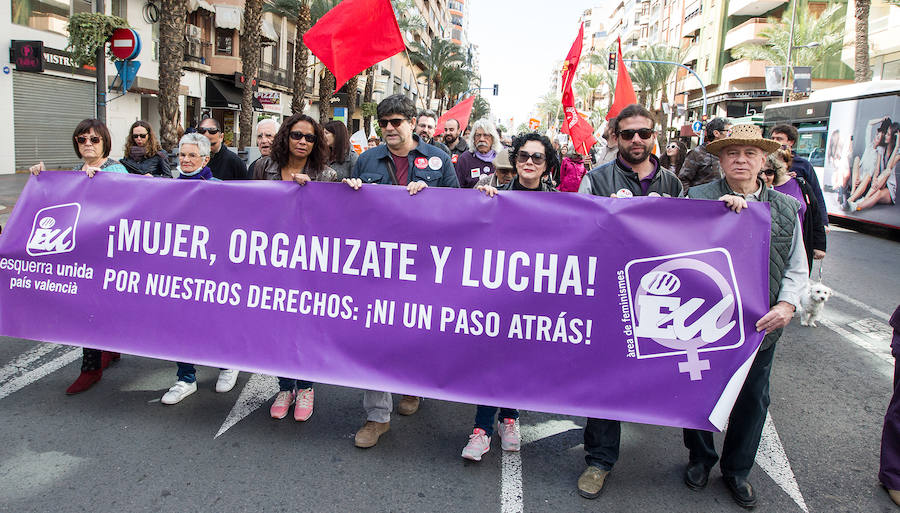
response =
{"points": [[741, 491], [696, 475]]}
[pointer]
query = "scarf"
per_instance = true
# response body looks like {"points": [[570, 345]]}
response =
{"points": [[486, 157], [200, 174], [137, 152]]}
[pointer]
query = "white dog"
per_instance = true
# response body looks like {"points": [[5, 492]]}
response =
{"points": [[814, 303]]}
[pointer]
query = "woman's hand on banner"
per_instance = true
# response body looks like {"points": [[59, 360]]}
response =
{"points": [[488, 190], [415, 187], [91, 171], [355, 183], [37, 168], [301, 178]]}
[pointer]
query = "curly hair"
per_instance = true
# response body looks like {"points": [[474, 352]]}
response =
{"points": [[552, 158], [153, 146], [779, 161], [281, 147], [340, 148]]}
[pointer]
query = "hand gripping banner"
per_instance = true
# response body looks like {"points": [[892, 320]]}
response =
{"points": [[639, 309]]}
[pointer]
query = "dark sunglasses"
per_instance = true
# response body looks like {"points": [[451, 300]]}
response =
{"points": [[212, 131], [628, 135], [523, 156], [300, 135], [139, 136], [767, 172], [383, 123], [83, 140]]}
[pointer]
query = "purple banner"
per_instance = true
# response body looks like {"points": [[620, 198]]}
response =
{"points": [[637, 309]]}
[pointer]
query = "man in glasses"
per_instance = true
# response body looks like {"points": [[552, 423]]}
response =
{"points": [[453, 140], [425, 125], [478, 160], [407, 161], [634, 172], [700, 166], [225, 164]]}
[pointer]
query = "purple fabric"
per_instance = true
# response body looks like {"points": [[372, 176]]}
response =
{"points": [[570, 347], [792, 189]]}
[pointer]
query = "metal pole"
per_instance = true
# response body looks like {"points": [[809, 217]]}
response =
{"points": [[787, 66], [100, 7], [692, 72]]}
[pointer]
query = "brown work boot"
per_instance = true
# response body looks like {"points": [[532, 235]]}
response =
{"points": [[368, 435], [408, 405], [590, 484]]}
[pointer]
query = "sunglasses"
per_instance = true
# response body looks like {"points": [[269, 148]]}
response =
{"points": [[139, 136], [83, 140], [300, 135], [523, 156], [767, 172], [212, 131], [628, 135], [395, 122], [672, 147]]}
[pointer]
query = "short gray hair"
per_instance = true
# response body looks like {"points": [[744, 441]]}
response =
{"points": [[486, 126], [267, 121], [194, 138]]}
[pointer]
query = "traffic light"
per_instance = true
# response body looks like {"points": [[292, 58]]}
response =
{"points": [[496, 89], [612, 61]]}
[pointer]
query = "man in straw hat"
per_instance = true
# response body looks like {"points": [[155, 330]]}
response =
{"points": [[742, 155]]}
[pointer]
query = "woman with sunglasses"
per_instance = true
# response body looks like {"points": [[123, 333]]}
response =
{"points": [[92, 144], [775, 174], [143, 154], [341, 157], [673, 158], [535, 160], [299, 153]]}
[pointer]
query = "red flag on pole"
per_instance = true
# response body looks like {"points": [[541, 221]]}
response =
{"points": [[354, 35], [624, 95], [571, 62], [460, 112]]}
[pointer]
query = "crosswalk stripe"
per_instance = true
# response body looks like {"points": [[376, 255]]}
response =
{"points": [[256, 392], [30, 377], [25, 359], [773, 460]]}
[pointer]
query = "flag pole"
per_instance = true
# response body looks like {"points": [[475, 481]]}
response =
{"points": [[415, 80]]}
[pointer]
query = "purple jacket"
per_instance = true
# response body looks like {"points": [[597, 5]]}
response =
{"points": [[469, 169]]}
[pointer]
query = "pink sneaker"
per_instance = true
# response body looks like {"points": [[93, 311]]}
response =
{"points": [[510, 440], [478, 445], [304, 407], [281, 405]]}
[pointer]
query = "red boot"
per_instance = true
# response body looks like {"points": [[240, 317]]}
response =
{"points": [[108, 358], [85, 381]]}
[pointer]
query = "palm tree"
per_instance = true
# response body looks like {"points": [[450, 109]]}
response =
{"points": [[299, 11], [367, 103], [826, 29], [326, 78], [434, 61], [861, 70], [250, 54], [586, 87], [550, 108], [172, 19], [651, 77], [480, 108]]}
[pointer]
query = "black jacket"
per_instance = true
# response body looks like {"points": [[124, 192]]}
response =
{"points": [[156, 164], [226, 165]]}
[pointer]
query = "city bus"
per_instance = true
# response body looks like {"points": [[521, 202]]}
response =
{"points": [[851, 136]]}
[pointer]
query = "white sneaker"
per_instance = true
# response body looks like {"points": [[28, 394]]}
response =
{"points": [[227, 379], [179, 391], [510, 439], [478, 445]]}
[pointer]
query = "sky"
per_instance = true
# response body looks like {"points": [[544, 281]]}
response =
{"points": [[520, 42]]}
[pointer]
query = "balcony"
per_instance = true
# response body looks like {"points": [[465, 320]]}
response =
{"points": [[743, 70], [691, 54], [277, 76], [197, 55], [752, 7], [691, 22], [748, 32]]}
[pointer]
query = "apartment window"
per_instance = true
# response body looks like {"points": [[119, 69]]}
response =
{"points": [[224, 41], [49, 15]]}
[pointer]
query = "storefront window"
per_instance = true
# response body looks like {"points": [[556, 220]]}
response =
{"points": [[49, 15]]}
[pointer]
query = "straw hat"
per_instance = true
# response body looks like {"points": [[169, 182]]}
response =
{"points": [[744, 135]]}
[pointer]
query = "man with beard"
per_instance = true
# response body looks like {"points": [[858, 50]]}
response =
{"points": [[425, 124], [452, 139], [479, 159], [265, 136], [634, 172]]}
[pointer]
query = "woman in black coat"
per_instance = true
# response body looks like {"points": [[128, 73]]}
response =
{"points": [[143, 154]]}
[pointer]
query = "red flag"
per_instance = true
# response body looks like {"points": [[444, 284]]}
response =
{"points": [[624, 88], [354, 35], [571, 62], [460, 112], [581, 132]]}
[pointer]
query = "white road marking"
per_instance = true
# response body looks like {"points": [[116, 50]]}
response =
{"points": [[863, 343], [258, 390], [859, 304], [30, 377], [25, 359], [511, 495], [773, 460]]}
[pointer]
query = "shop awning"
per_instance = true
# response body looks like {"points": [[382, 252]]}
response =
{"points": [[267, 31], [228, 17], [193, 5], [223, 95]]}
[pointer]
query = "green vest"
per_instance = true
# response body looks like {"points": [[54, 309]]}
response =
{"points": [[784, 210]]}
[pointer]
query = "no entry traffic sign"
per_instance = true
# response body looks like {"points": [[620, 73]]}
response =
{"points": [[125, 43]]}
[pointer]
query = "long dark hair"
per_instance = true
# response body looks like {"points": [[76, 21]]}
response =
{"points": [[281, 148], [340, 149], [153, 146], [676, 163]]}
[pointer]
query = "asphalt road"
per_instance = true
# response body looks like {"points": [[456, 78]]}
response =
{"points": [[116, 448]]}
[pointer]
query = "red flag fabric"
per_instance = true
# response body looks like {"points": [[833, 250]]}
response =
{"points": [[580, 131], [460, 112], [354, 35], [624, 95], [571, 62]]}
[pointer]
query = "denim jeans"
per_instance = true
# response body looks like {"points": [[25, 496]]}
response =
{"points": [[289, 384], [484, 417], [187, 372]]}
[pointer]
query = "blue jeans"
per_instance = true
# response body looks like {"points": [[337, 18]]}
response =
{"points": [[484, 417], [187, 372], [289, 385]]}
